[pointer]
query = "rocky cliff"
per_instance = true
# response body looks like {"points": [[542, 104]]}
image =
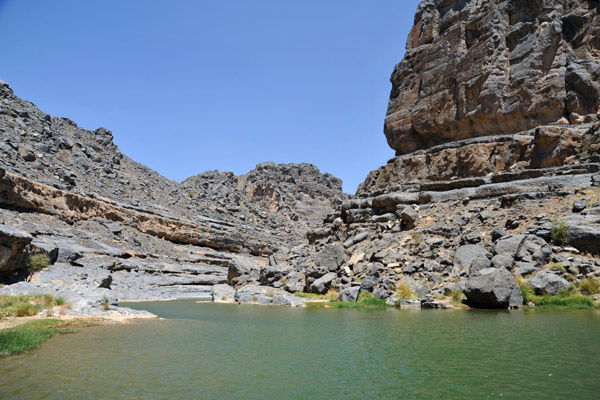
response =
{"points": [[111, 226], [480, 68], [494, 116]]}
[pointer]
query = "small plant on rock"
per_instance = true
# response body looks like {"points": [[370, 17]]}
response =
{"points": [[105, 303], [590, 285], [456, 295], [404, 291], [558, 231], [36, 263], [558, 267], [527, 290], [416, 237]]}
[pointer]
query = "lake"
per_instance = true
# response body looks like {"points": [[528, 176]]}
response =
{"points": [[218, 351]]}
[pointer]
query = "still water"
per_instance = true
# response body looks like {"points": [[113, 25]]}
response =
{"points": [[213, 351]]}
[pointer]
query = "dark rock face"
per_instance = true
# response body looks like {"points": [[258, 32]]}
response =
{"points": [[493, 288], [549, 283], [476, 68], [13, 244]]}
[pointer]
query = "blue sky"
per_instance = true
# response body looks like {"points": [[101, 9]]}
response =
{"points": [[188, 86]]}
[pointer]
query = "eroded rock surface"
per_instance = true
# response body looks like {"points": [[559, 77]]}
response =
{"points": [[480, 68]]}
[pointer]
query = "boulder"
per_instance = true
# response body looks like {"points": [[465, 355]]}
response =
{"points": [[223, 293], [465, 255], [409, 217], [349, 294], [579, 206], [295, 282], [273, 273], [253, 294], [503, 260], [242, 269], [584, 234], [479, 263], [528, 248], [331, 257], [547, 282], [493, 288], [322, 284], [13, 244]]}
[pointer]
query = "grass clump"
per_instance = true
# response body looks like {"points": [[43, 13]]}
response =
{"points": [[558, 267], [312, 296], [36, 263], [590, 285], [31, 335], [105, 303], [416, 237], [456, 295], [404, 292], [558, 231], [365, 301], [25, 305], [527, 290], [332, 294], [569, 301]]}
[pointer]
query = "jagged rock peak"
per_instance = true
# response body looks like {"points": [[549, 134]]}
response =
{"points": [[479, 68]]}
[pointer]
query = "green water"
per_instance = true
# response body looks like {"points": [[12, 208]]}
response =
{"points": [[212, 351]]}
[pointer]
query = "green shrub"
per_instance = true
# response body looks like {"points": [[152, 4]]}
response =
{"points": [[590, 285], [37, 262], [558, 267], [527, 290], [558, 231], [404, 292], [456, 295]]}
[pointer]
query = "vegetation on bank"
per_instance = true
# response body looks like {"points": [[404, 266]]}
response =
{"points": [[32, 334], [365, 301], [566, 299], [25, 305]]}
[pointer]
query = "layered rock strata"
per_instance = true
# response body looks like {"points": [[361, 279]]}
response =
{"points": [[113, 227], [479, 68]]}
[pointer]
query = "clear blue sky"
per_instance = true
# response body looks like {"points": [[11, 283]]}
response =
{"points": [[188, 86]]}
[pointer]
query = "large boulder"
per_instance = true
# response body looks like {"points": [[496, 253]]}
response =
{"points": [[271, 274], [322, 284], [253, 294], [223, 294], [331, 257], [295, 282], [526, 248], [465, 255], [242, 270], [349, 294], [13, 244], [493, 288], [584, 233], [547, 282]]}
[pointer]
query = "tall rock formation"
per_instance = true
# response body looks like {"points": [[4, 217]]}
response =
{"points": [[494, 114], [500, 90], [478, 68]]}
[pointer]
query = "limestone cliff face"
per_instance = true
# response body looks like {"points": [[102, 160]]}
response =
{"points": [[479, 68]]}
